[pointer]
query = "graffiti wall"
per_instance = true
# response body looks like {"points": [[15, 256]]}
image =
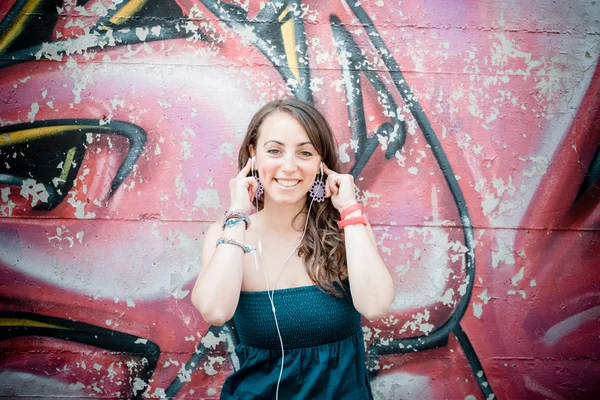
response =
{"points": [[472, 129]]}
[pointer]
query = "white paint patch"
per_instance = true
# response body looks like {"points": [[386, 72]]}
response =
{"points": [[503, 254], [207, 199], [138, 385], [176, 286], [186, 149], [401, 385], [180, 185], [210, 341], [140, 340], [519, 292], [484, 297], [35, 107], [4, 193], [489, 203], [477, 310], [141, 33], [209, 365], [80, 209], [49, 52], [447, 298], [413, 170], [515, 279], [129, 301], [315, 84], [80, 75], [115, 103], [570, 324], [434, 269], [37, 191], [344, 157], [400, 158], [226, 149], [419, 322]]}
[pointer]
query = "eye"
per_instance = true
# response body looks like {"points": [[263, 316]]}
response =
{"points": [[273, 151], [306, 153]]}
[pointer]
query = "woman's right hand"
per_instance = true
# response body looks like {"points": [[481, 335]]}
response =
{"points": [[242, 189]]}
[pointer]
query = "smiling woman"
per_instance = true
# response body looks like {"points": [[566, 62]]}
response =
{"points": [[298, 274]]}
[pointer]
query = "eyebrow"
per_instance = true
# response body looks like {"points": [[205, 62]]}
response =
{"points": [[281, 144]]}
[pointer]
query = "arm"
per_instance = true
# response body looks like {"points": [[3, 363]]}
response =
{"points": [[217, 289], [371, 284]]}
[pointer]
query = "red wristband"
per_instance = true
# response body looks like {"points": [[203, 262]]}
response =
{"points": [[350, 209], [361, 219]]}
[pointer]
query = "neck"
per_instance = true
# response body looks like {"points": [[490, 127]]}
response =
{"points": [[279, 217]]}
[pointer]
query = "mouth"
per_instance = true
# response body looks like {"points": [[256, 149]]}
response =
{"points": [[287, 183]]}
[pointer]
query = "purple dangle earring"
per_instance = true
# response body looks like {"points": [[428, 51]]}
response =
{"points": [[317, 190], [260, 190]]}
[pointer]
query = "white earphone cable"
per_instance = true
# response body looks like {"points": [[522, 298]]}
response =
{"points": [[271, 293]]}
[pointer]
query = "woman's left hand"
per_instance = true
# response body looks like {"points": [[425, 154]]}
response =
{"points": [[340, 187]]}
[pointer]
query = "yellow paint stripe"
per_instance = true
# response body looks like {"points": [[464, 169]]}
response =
{"points": [[27, 135], [17, 26], [28, 323], [127, 11], [289, 42], [67, 164]]}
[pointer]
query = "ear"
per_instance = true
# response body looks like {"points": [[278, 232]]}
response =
{"points": [[251, 151]]}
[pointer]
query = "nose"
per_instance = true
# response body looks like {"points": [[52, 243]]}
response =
{"points": [[289, 164]]}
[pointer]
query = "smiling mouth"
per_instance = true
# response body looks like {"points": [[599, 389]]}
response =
{"points": [[287, 183]]}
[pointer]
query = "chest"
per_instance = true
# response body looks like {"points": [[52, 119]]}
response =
{"points": [[279, 262]]}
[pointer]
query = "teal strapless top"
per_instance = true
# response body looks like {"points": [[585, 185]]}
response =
{"points": [[323, 343]]}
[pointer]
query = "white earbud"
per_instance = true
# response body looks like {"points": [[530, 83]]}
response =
{"points": [[253, 162], [321, 166]]}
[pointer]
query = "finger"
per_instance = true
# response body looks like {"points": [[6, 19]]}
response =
{"points": [[328, 171], [333, 184], [244, 171], [327, 190]]}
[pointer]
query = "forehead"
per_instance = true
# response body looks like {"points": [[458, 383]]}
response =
{"points": [[282, 127]]}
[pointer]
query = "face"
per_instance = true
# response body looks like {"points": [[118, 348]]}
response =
{"points": [[286, 161]]}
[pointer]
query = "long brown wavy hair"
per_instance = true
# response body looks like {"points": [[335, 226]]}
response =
{"points": [[322, 250]]}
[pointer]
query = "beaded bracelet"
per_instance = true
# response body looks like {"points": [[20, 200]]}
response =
{"points": [[239, 214], [233, 222], [245, 248]]}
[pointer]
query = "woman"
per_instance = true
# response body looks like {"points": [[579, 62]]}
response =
{"points": [[294, 279]]}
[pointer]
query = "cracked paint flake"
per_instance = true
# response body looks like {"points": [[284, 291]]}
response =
{"points": [[226, 149], [35, 107], [207, 199], [484, 296], [515, 279], [208, 366], [210, 341], [37, 191], [344, 157]]}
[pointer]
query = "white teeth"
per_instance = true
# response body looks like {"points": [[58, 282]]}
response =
{"points": [[287, 183]]}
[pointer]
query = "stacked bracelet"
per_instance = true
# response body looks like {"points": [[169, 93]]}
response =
{"points": [[361, 219], [245, 248], [232, 217]]}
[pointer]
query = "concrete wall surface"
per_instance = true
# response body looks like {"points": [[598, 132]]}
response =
{"points": [[472, 129]]}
